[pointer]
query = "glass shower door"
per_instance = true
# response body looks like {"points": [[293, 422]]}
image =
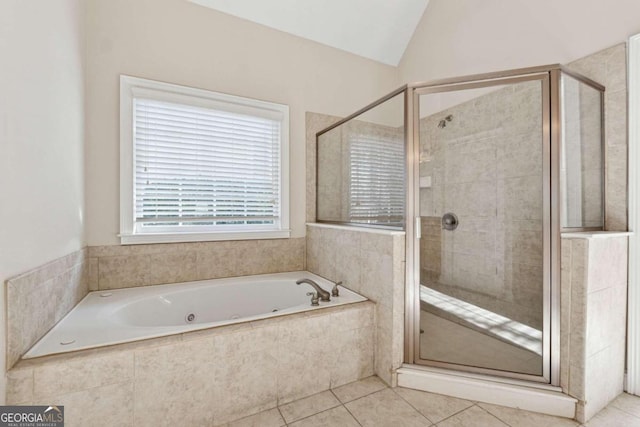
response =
{"points": [[484, 238]]}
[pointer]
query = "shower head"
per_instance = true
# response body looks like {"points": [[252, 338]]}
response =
{"points": [[443, 123]]}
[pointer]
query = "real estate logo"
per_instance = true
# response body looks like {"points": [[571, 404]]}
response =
{"points": [[31, 416]]}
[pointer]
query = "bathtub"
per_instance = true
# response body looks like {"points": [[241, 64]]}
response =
{"points": [[117, 316]]}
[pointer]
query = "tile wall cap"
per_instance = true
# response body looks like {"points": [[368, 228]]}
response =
{"points": [[596, 234]]}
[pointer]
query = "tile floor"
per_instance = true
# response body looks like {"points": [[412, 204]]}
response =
{"points": [[370, 402]]}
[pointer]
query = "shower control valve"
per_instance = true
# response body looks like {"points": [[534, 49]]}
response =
{"points": [[314, 298]]}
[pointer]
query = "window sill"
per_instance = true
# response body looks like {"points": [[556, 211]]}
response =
{"points": [[142, 239]]}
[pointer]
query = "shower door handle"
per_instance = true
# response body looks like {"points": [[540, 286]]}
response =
{"points": [[418, 228]]}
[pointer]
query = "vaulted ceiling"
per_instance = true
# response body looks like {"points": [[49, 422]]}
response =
{"points": [[376, 29]]}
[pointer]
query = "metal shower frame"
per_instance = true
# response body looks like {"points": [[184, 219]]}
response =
{"points": [[550, 78]]}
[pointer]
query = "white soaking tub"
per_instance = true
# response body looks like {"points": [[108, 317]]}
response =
{"points": [[124, 315]]}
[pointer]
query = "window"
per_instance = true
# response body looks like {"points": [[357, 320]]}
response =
{"points": [[376, 189], [199, 165]]}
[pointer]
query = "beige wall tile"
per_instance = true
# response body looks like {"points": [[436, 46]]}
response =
{"points": [[349, 263], [143, 265], [244, 385], [19, 386], [379, 258], [39, 298], [598, 325], [148, 269], [100, 407], [304, 376], [175, 398], [82, 373], [604, 380], [351, 356], [607, 263], [93, 274], [174, 358], [360, 316], [596, 322], [259, 338]]}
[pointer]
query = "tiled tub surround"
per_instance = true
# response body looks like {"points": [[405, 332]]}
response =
{"points": [[207, 377], [593, 319], [115, 267], [126, 315], [39, 298], [370, 262]]}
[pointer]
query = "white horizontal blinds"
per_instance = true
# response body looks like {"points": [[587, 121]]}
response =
{"points": [[202, 167], [376, 186]]}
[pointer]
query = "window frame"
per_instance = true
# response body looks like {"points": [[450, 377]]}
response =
{"points": [[129, 87]]}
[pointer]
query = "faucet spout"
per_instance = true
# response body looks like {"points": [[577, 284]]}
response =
{"points": [[324, 295]]}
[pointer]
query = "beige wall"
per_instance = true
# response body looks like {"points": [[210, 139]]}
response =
{"points": [[459, 37], [183, 43], [41, 137]]}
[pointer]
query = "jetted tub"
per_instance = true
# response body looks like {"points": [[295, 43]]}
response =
{"points": [[124, 315]]}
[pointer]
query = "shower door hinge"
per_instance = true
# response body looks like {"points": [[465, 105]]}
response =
{"points": [[418, 228]]}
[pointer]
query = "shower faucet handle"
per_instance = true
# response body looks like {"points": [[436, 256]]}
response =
{"points": [[314, 298], [335, 292]]}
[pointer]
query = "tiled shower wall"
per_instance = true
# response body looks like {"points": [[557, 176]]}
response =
{"points": [[485, 166]]}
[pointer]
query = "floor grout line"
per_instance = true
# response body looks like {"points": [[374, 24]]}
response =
{"points": [[456, 413], [282, 416], [403, 399], [494, 416], [363, 396], [620, 409], [416, 409], [350, 413]]}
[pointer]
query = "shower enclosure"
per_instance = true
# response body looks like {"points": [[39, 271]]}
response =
{"points": [[483, 173]]}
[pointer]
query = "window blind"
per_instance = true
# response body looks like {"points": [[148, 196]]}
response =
{"points": [[376, 186], [200, 168]]}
